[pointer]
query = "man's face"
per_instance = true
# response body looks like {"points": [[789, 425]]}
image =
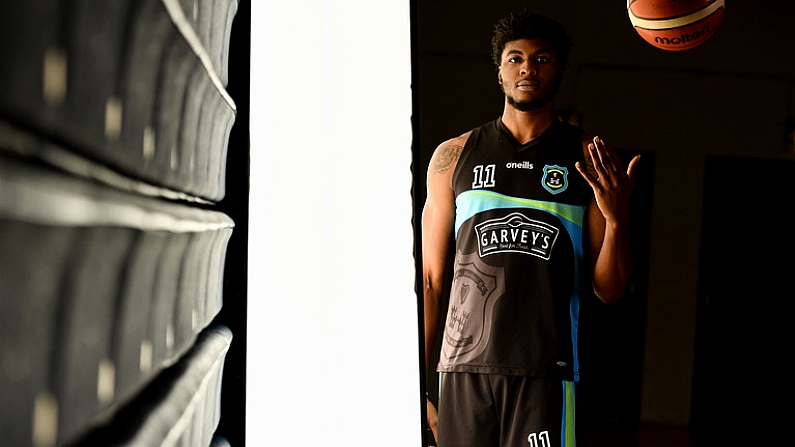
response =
{"points": [[529, 73]]}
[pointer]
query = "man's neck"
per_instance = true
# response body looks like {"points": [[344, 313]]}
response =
{"points": [[529, 125]]}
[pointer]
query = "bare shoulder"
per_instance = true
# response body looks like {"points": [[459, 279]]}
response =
{"points": [[586, 140], [586, 136], [446, 155]]}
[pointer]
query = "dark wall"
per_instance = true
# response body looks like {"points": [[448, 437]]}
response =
{"points": [[730, 97]]}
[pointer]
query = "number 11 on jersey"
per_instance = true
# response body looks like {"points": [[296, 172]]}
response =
{"points": [[484, 176]]}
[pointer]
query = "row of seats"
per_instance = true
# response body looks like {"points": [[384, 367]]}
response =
{"points": [[101, 291], [114, 127], [130, 84]]}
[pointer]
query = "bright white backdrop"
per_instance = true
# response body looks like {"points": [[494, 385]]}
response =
{"points": [[332, 347]]}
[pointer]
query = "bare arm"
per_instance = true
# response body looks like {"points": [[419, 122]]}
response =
{"points": [[608, 218], [438, 219]]}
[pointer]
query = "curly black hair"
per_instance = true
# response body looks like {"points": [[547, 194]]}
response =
{"points": [[531, 25]]}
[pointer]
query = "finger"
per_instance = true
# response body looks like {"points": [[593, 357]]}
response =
{"points": [[583, 171], [606, 159], [586, 174], [596, 159], [632, 165], [600, 158]]}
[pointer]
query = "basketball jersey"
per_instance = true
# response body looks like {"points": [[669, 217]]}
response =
{"points": [[519, 265]]}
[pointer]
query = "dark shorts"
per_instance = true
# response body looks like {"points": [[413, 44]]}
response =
{"points": [[491, 410]]}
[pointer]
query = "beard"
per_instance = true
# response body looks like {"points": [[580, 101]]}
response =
{"points": [[536, 103], [526, 106]]}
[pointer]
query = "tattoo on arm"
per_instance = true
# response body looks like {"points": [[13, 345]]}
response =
{"points": [[446, 157]]}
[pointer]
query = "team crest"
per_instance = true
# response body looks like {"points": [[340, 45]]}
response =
{"points": [[556, 179], [476, 288]]}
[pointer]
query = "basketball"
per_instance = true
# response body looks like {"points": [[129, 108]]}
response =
{"points": [[675, 25]]}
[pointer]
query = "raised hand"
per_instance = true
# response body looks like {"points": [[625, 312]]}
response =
{"points": [[612, 185]]}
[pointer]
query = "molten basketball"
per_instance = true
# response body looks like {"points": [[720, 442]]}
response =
{"points": [[675, 25]]}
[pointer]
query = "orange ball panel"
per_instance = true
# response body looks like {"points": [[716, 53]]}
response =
{"points": [[684, 37], [666, 9]]}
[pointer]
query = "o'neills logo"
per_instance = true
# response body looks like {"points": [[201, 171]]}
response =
{"points": [[684, 38], [516, 233], [519, 165]]}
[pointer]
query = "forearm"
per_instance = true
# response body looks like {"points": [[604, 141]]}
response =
{"points": [[432, 312], [438, 217], [614, 264]]}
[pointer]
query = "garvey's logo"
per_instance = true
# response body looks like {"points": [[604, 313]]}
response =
{"points": [[516, 233], [555, 178]]}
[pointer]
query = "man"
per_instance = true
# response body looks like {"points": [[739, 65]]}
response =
{"points": [[531, 236]]}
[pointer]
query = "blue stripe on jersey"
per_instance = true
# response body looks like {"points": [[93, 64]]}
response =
{"points": [[567, 432], [574, 313], [472, 202]]}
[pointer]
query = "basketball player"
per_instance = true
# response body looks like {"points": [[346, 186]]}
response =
{"points": [[531, 237]]}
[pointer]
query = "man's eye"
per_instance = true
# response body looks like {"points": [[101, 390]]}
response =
{"points": [[542, 59], [513, 60]]}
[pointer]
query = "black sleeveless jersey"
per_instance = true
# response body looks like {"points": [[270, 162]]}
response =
{"points": [[520, 266]]}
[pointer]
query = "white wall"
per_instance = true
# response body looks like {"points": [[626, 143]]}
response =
{"points": [[332, 347]]}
